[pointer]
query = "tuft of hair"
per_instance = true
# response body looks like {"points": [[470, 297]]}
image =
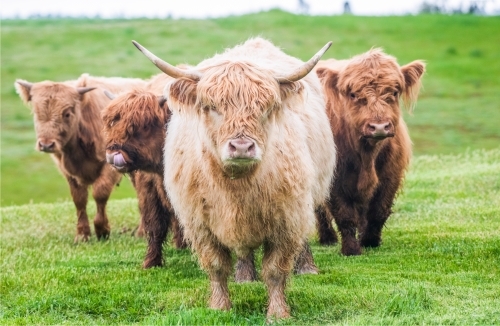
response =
{"points": [[137, 108]]}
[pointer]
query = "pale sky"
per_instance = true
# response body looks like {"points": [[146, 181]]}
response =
{"points": [[214, 8]]}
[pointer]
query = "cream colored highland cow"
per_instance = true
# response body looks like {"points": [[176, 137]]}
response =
{"points": [[250, 154]]}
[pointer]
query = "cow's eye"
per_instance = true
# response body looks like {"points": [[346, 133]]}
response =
{"points": [[352, 96], [66, 114], [396, 94]]}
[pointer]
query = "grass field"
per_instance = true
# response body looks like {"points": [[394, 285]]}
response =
{"points": [[458, 108], [439, 264], [440, 258]]}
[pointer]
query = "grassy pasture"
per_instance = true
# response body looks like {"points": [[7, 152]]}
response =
{"points": [[439, 264], [458, 108], [440, 259]]}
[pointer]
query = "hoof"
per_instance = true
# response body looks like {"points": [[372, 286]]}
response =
{"points": [[371, 242], [328, 241], [147, 264], [306, 269], [351, 249], [82, 238]]}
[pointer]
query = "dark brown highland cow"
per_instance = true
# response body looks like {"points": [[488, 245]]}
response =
{"points": [[134, 127], [372, 140], [68, 125]]}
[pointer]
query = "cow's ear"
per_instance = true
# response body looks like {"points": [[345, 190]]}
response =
{"points": [[23, 88], [412, 74], [161, 101], [182, 92], [328, 77]]}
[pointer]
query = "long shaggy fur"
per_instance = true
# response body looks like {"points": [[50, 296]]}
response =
{"points": [[366, 89], [273, 203], [135, 126], [67, 115]]}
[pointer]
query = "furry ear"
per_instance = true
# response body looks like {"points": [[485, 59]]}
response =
{"points": [[182, 93], [412, 74], [328, 77], [23, 88]]}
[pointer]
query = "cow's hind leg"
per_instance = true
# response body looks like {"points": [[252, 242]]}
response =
{"points": [[304, 263], [277, 264], [156, 218], [79, 193], [178, 233], [101, 190], [326, 233], [245, 269]]}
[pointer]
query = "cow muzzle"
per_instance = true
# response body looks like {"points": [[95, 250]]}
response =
{"points": [[117, 160], [47, 146], [241, 148], [240, 157], [378, 131]]}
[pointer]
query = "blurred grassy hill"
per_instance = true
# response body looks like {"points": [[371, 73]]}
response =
{"points": [[459, 107]]}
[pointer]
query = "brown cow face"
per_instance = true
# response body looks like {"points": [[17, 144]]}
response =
{"points": [[369, 89], [56, 111], [236, 102], [134, 129]]}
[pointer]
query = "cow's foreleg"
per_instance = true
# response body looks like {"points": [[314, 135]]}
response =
{"points": [[101, 190], [79, 194], [327, 235], [277, 264], [346, 218], [378, 212], [216, 260]]}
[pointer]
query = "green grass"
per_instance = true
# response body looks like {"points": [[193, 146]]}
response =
{"points": [[439, 264], [458, 108]]}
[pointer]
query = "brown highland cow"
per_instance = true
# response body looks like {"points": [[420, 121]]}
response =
{"points": [[134, 128], [68, 125], [372, 140]]}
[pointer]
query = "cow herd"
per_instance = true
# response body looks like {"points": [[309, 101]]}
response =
{"points": [[250, 148]]}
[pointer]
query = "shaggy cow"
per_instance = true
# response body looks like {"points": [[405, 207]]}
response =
{"points": [[134, 128], [373, 145], [249, 155], [68, 126]]}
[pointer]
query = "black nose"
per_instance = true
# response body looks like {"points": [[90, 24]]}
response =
{"points": [[46, 147]]}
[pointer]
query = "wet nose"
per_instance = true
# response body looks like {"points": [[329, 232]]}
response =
{"points": [[242, 148], [379, 130], [46, 147]]}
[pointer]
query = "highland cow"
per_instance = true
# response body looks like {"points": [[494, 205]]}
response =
{"points": [[248, 156], [373, 144], [67, 118], [134, 128]]}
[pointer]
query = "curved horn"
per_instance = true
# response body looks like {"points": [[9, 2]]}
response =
{"points": [[303, 70], [83, 90], [25, 84], [110, 95], [167, 67]]}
